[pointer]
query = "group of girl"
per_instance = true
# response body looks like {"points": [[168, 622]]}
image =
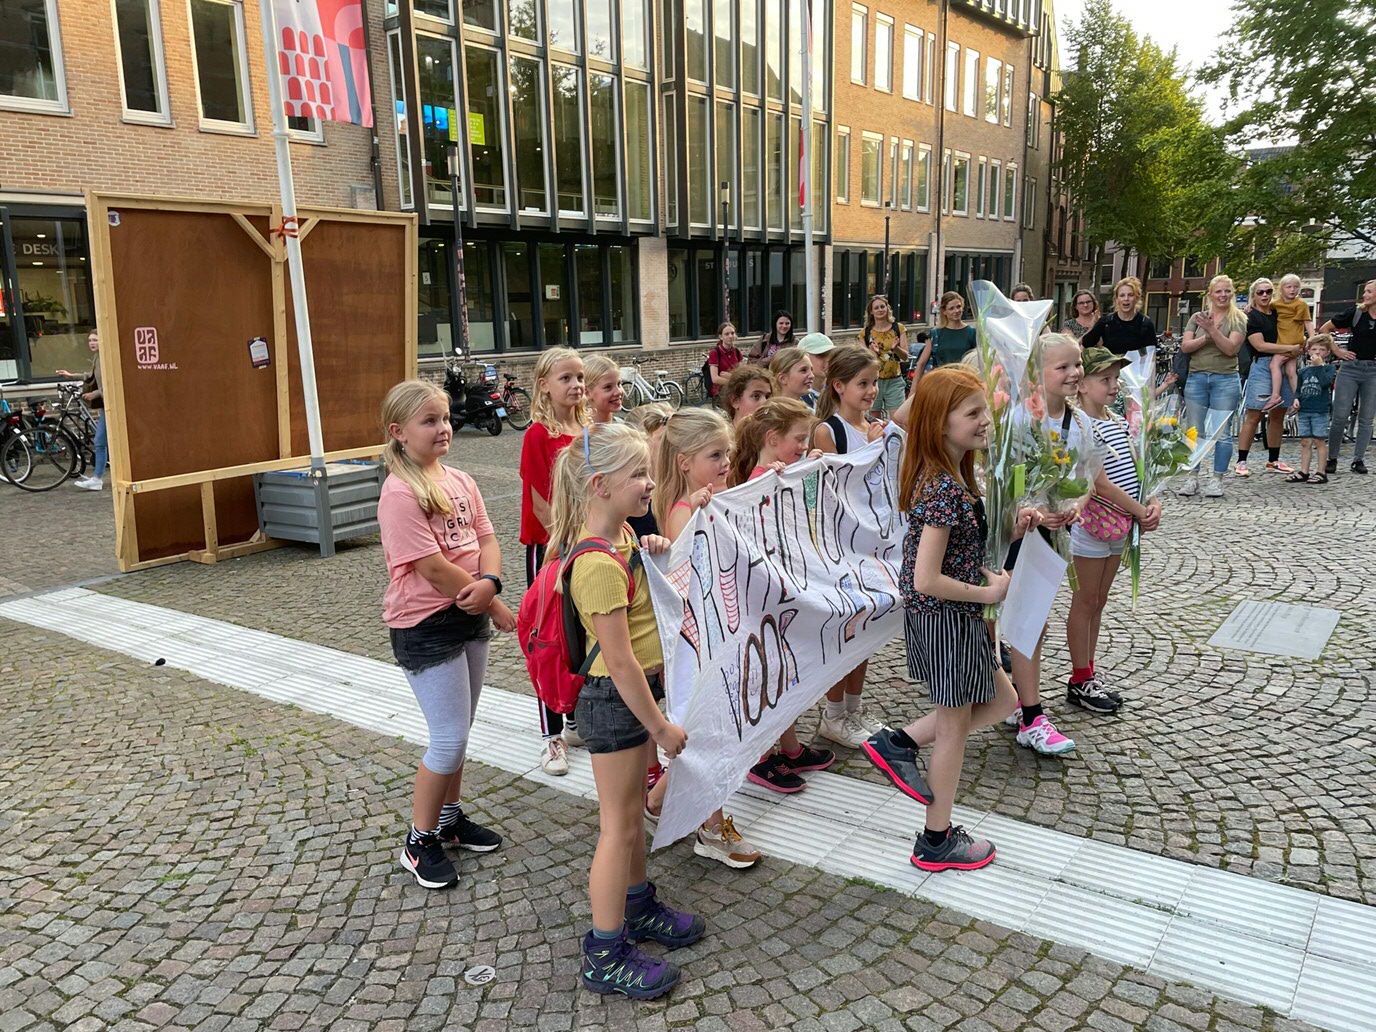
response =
{"points": [[585, 474]]}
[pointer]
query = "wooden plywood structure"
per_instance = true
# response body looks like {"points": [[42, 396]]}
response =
{"points": [[182, 287]]}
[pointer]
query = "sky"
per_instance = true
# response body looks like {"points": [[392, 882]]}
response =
{"points": [[1193, 27]]}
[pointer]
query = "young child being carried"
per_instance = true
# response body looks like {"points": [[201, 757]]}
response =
{"points": [[1294, 324]]}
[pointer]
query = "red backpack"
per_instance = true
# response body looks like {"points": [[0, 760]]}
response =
{"points": [[550, 633]]}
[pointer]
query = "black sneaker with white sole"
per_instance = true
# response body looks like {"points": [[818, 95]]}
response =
{"points": [[425, 859], [464, 834], [1091, 695]]}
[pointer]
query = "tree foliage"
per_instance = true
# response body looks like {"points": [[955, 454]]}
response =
{"points": [[1305, 75], [1139, 157]]}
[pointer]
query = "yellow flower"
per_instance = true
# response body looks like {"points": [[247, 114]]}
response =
{"points": [[1192, 435], [1055, 435]]}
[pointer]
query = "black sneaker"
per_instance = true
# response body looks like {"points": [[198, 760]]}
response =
{"points": [[1331, 466], [959, 852], [618, 967], [1358, 466], [808, 759], [464, 834], [426, 860], [899, 764], [770, 773], [1090, 694]]}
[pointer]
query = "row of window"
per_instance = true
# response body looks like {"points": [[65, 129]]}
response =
{"points": [[33, 78], [755, 283], [857, 276], [959, 91]]}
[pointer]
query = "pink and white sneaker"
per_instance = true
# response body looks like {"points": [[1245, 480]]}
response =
{"points": [[1041, 736]]}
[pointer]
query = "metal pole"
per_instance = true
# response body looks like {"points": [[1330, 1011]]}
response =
{"points": [[459, 307], [725, 252], [805, 172], [289, 232], [887, 215]]}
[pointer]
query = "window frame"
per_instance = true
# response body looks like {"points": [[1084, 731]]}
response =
{"points": [[1006, 101], [923, 179], [913, 61], [905, 163], [883, 21], [946, 181], [981, 186], [929, 66], [861, 13], [995, 66], [950, 78], [959, 158], [216, 125], [314, 134], [969, 92], [842, 190], [995, 189], [877, 139], [1029, 202], [164, 115], [893, 172], [61, 105], [1010, 192]]}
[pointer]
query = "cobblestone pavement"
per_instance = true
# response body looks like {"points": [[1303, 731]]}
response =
{"points": [[182, 856]]}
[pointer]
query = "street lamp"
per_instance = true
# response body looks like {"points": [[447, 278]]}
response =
{"points": [[459, 302], [725, 251], [888, 214]]}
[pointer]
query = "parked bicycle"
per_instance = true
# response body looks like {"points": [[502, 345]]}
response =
{"points": [[639, 390], [77, 419], [516, 402], [36, 454], [695, 390]]}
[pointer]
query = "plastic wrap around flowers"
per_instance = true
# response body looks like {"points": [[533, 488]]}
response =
{"points": [[1162, 445], [1005, 333]]}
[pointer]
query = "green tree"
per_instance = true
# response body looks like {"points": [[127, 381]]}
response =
{"points": [[1138, 156], [1306, 76]]}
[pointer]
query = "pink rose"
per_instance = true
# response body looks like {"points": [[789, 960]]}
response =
{"points": [[1036, 405]]}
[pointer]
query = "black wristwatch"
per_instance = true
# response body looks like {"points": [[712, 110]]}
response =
{"points": [[493, 578]]}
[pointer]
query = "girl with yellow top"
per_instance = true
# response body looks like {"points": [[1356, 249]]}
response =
{"points": [[889, 341]]}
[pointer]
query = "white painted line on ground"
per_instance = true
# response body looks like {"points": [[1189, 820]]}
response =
{"points": [[1305, 955]]}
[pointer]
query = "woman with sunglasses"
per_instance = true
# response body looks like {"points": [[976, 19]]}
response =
{"points": [[1262, 333], [1084, 313]]}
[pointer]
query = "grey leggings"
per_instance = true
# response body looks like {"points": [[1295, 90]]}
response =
{"points": [[448, 696]]}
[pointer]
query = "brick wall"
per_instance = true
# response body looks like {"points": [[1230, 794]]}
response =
{"points": [[94, 147]]}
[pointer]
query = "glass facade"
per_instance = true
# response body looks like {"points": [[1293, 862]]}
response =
{"points": [[46, 301], [762, 281], [857, 275]]}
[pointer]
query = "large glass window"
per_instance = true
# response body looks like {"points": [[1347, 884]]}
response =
{"points": [[951, 76], [905, 172], [568, 139], [477, 285], [563, 24], [554, 297], [912, 63], [671, 169], [993, 78], [960, 190], [843, 165], [723, 17], [1010, 192], [435, 57], [871, 157], [750, 167], [587, 265], [709, 292], [217, 29], [528, 134], [795, 211], [524, 18], [481, 14], [726, 153], [53, 279], [31, 75], [795, 44], [640, 180], [434, 329], [399, 101], [140, 60], [750, 47], [821, 29], [774, 49], [819, 157], [606, 201], [520, 296], [883, 53], [634, 36], [1006, 105], [981, 186], [622, 281], [700, 189], [970, 93], [695, 13], [434, 9], [995, 188], [859, 42], [599, 23], [485, 128], [924, 177], [774, 156], [678, 292]]}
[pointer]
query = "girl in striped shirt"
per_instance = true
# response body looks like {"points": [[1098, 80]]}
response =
{"points": [[945, 586], [1096, 559]]}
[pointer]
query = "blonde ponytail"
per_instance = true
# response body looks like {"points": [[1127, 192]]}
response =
{"points": [[402, 402]]}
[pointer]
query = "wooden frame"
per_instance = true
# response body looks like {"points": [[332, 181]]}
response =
{"points": [[182, 460]]}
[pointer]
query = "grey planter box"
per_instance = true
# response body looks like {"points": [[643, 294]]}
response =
{"points": [[295, 506]]}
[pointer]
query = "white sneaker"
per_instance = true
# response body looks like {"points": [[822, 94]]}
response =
{"points": [[726, 846], [555, 759], [1213, 487], [844, 730], [1013, 719], [1190, 487], [91, 484], [572, 737], [1041, 736], [871, 726]]}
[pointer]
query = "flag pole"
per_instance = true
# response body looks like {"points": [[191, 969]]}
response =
{"points": [[288, 230], [814, 324]]}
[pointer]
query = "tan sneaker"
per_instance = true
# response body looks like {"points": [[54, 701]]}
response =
{"points": [[555, 759], [726, 846], [844, 730]]}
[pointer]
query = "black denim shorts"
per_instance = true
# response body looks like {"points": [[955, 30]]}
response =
{"points": [[438, 638], [605, 722]]}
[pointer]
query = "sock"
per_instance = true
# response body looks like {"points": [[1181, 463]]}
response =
{"points": [[1091, 668], [1031, 713], [635, 891], [903, 740], [1272, 454], [834, 710], [1079, 675], [571, 724], [550, 738], [414, 836], [935, 838], [601, 936], [450, 813], [1241, 455], [853, 703]]}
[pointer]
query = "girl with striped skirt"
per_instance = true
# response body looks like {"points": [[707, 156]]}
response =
{"points": [[945, 586]]}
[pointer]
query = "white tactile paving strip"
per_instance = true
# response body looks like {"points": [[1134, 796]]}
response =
{"points": [[1305, 955]]}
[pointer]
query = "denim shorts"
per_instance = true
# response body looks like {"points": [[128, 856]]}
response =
{"points": [[438, 638], [604, 720], [1313, 424]]}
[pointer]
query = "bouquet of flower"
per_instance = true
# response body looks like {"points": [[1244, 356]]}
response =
{"points": [[1057, 476], [1005, 332]]}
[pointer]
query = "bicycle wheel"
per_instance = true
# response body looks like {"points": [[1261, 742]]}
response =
{"points": [[517, 404], [84, 435], [694, 389], [15, 466], [52, 457], [631, 396], [672, 393]]}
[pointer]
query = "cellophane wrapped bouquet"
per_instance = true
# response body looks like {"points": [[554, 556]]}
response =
{"points": [[1057, 476]]}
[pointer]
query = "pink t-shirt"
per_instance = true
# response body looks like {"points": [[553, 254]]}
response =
{"points": [[409, 535]]}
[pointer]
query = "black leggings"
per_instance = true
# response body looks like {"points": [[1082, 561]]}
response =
{"points": [[551, 723]]}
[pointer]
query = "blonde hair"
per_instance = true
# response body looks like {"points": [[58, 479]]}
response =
{"points": [[941, 321], [610, 448], [783, 361], [649, 417], [777, 415], [1256, 283], [1290, 277], [542, 405], [736, 384], [1041, 346], [847, 362], [399, 406], [1135, 284], [1320, 340], [599, 367], [686, 433], [1233, 319]]}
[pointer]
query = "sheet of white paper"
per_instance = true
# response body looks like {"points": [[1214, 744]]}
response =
{"points": [[1036, 579]]}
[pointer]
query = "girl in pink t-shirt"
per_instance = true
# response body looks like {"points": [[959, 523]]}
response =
{"points": [[444, 572]]}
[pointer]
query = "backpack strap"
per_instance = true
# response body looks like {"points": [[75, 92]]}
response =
{"points": [[1065, 422], [573, 629], [838, 432]]}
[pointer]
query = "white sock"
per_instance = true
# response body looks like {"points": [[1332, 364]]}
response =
{"points": [[853, 703], [834, 710]]}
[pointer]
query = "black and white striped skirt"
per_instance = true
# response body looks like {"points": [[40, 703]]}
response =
{"points": [[951, 651]]}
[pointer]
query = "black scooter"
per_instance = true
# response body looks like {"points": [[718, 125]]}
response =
{"points": [[477, 403]]}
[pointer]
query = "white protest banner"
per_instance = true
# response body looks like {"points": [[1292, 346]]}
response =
{"points": [[773, 592]]}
